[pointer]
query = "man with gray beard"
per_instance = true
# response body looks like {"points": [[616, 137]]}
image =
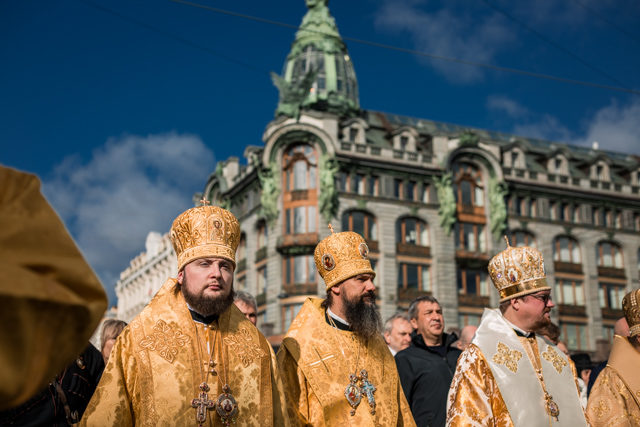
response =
{"points": [[335, 365], [191, 357]]}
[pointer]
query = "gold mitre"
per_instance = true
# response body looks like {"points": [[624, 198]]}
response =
{"points": [[632, 311], [205, 231], [342, 256], [518, 271]]}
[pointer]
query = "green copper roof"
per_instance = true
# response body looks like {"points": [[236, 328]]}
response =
{"points": [[318, 73]]}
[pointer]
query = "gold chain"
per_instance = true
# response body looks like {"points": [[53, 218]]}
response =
{"points": [[333, 323]]}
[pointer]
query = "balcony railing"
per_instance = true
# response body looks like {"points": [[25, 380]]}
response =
{"points": [[261, 254], [471, 300], [300, 289], [409, 294], [567, 267], [611, 272], [411, 249], [611, 313], [572, 310], [302, 243], [242, 265]]}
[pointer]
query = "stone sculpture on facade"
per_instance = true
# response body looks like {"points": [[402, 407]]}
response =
{"points": [[270, 191], [328, 196], [497, 208], [447, 200]]}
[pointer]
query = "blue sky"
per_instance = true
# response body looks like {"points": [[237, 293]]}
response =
{"points": [[123, 107]]}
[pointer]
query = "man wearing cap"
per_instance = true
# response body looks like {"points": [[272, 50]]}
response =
{"points": [[191, 357], [615, 397], [508, 375], [335, 365]]}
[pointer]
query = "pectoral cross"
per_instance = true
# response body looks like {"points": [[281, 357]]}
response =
{"points": [[368, 389], [202, 404]]}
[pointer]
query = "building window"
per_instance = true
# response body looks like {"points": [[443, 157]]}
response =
{"points": [[353, 134], [522, 238], [360, 222], [610, 295], [241, 252], [410, 190], [607, 333], [465, 319], [373, 185], [261, 281], [469, 189], [357, 184], [608, 254], [473, 282], [404, 141], [425, 193], [412, 231], [301, 219], [289, 312], [397, 188], [414, 276], [300, 271], [565, 249], [341, 179], [300, 196], [570, 292], [262, 235], [470, 237], [576, 335]]}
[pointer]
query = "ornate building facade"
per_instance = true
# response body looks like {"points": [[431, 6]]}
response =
{"points": [[433, 200]]}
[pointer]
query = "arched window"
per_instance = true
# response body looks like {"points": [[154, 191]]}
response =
{"points": [[608, 254], [469, 187], [300, 166], [261, 234], [412, 231], [241, 253], [566, 249], [522, 238], [362, 223], [300, 189]]}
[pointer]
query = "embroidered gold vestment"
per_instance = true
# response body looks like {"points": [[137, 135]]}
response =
{"points": [[495, 383], [155, 369], [615, 397], [51, 299], [315, 361]]}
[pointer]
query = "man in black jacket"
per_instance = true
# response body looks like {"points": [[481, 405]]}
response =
{"points": [[426, 368]]}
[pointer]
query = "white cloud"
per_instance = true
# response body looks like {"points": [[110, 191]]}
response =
{"points": [[130, 186], [506, 105], [616, 127], [451, 31]]}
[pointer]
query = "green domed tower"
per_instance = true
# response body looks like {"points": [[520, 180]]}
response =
{"points": [[318, 73]]}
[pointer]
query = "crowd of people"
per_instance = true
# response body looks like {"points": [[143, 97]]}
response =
{"points": [[193, 356]]}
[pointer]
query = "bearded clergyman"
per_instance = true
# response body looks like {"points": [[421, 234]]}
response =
{"points": [[191, 357], [335, 365], [509, 375]]}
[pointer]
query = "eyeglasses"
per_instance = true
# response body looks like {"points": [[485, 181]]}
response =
{"points": [[545, 298]]}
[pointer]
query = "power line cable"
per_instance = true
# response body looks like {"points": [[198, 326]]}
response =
{"points": [[602, 18], [416, 52], [554, 44], [175, 37]]}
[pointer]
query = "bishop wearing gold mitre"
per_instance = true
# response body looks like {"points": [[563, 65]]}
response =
{"points": [[336, 367], [191, 358], [509, 376], [615, 397]]}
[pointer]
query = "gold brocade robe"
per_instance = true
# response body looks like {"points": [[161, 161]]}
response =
{"points": [[475, 396], [51, 299], [155, 369], [615, 397], [315, 361]]}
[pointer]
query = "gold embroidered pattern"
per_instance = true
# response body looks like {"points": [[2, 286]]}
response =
{"points": [[601, 409], [241, 344], [507, 357], [550, 355], [165, 340]]}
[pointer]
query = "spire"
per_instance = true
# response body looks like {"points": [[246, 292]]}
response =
{"points": [[318, 73]]}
